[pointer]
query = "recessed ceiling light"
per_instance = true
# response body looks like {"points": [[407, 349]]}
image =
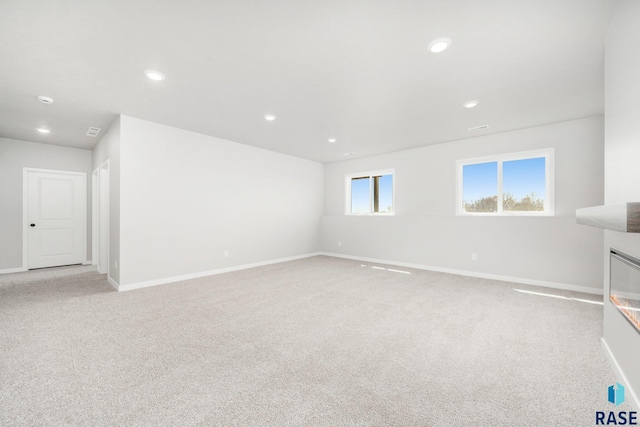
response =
{"points": [[43, 130], [270, 117], [45, 100], [439, 45], [350, 153], [471, 104], [155, 75], [332, 140]]}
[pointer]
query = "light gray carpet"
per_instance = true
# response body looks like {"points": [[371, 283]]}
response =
{"points": [[319, 341], [45, 274]]}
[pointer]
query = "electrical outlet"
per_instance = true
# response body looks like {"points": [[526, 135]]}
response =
{"points": [[339, 242], [226, 254], [474, 257]]}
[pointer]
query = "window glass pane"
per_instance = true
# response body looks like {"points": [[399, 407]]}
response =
{"points": [[480, 187], [523, 185], [383, 193], [360, 195]]}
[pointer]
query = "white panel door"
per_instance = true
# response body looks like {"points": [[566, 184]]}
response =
{"points": [[56, 218]]}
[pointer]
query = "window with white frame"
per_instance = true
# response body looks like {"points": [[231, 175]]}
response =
{"points": [[370, 193], [510, 184]]}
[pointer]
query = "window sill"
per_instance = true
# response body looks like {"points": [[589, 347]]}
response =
{"points": [[511, 214], [371, 214]]}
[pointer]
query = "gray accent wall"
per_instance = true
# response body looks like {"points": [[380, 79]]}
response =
{"points": [[425, 229], [14, 156], [622, 170]]}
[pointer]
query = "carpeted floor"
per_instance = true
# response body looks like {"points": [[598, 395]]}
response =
{"points": [[319, 341]]}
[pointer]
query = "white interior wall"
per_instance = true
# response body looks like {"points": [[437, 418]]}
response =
{"points": [[622, 173], [108, 148], [426, 231], [188, 197], [14, 156]]}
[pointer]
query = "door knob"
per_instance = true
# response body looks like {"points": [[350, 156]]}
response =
{"points": [[33, 225]]}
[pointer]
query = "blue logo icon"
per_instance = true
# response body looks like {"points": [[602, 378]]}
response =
{"points": [[616, 394]]}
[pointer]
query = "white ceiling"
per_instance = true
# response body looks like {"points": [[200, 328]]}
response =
{"points": [[358, 71]]}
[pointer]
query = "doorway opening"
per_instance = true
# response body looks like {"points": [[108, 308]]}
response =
{"points": [[100, 228]]}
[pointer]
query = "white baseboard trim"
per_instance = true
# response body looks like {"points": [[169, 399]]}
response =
{"points": [[113, 283], [554, 285], [174, 279], [13, 270], [634, 401]]}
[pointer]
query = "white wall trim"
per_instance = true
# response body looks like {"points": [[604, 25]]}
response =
{"points": [[554, 285], [113, 283], [634, 401], [13, 270], [174, 279]]}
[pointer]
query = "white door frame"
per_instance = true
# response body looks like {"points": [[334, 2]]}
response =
{"points": [[103, 218], [25, 217], [95, 216]]}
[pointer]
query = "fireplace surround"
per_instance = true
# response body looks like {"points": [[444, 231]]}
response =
{"points": [[624, 288]]}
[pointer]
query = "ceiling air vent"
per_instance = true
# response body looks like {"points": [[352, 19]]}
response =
{"points": [[477, 128], [93, 132]]}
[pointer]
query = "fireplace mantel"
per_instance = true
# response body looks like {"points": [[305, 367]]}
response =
{"points": [[624, 217]]}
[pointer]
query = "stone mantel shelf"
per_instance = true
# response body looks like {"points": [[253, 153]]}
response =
{"points": [[624, 217]]}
